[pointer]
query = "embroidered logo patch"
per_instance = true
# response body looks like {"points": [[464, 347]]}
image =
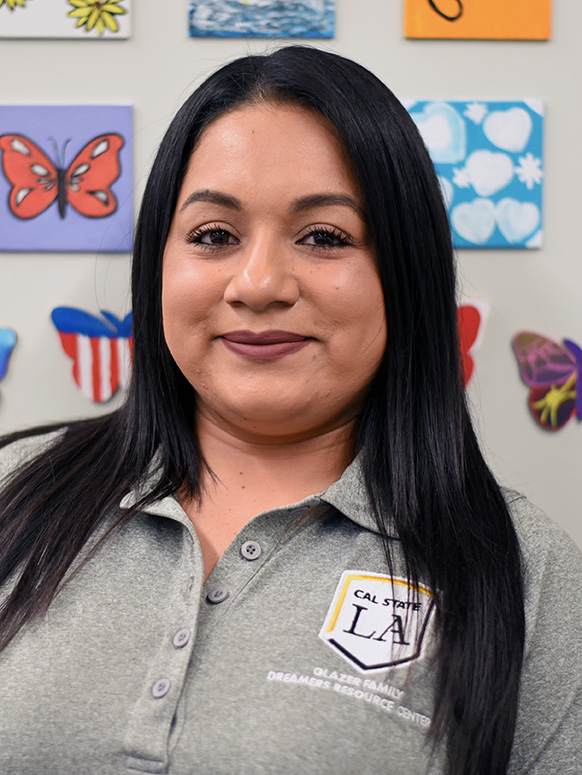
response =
{"points": [[377, 621]]}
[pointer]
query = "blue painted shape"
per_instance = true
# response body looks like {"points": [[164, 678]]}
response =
{"points": [[70, 320], [8, 341], [577, 353]]}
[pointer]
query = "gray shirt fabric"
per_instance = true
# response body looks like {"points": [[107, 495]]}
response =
{"points": [[298, 654]]}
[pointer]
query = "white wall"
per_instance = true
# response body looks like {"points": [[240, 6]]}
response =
{"points": [[159, 66]]}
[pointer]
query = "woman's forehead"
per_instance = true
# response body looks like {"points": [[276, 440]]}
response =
{"points": [[285, 146]]}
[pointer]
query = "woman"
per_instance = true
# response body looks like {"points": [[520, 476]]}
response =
{"points": [[285, 553]]}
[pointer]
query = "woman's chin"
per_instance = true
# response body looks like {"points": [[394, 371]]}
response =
{"points": [[260, 421]]}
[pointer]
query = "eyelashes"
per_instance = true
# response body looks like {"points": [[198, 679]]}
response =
{"points": [[214, 237], [325, 238]]}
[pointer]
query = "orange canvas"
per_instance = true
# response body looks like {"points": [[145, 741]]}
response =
{"points": [[485, 19]]}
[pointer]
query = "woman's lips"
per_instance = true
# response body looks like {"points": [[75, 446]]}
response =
{"points": [[264, 345]]}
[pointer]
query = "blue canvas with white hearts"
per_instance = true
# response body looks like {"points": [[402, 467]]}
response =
{"points": [[488, 156]]}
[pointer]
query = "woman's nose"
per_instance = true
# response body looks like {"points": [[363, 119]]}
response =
{"points": [[263, 276]]}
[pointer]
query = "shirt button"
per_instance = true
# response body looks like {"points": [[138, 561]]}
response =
{"points": [[250, 550], [181, 638], [217, 594], [161, 688]]}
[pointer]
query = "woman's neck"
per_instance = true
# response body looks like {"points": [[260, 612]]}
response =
{"points": [[276, 471]]}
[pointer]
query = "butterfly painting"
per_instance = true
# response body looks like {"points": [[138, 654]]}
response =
{"points": [[8, 340], [66, 178], [472, 315], [101, 349], [37, 182], [551, 371]]}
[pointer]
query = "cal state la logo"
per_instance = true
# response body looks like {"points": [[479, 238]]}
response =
{"points": [[377, 621]]}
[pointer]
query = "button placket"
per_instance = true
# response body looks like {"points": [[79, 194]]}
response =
{"points": [[153, 716], [238, 566]]}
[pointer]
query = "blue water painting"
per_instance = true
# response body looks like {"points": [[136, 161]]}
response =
{"points": [[262, 18], [489, 159]]}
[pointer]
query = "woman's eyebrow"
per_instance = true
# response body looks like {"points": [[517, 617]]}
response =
{"points": [[216, 197], [300, 205], [313, 201]]}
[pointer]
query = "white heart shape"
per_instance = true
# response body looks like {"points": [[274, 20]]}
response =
{"points": [[508, 129], [443, 132], [474, 221], [489, 172], [516, 220]]}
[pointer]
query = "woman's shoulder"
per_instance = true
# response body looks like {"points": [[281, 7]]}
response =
{"points": [[552, 573], [550, 702], [539, 536], [16, 454]]}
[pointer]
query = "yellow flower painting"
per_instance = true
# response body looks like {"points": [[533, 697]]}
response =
{"points": [[98, 14], [13, 3]]}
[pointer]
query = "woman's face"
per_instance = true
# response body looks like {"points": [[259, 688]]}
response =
{"points": [[272, 304]]}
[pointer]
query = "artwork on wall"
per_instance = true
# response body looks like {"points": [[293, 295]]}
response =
{"points": [[485, 19], [67, 178], [488, 156], [101, 349], [262, 18], [472, 315], [551, 371], [8, 341], [98, 19]]}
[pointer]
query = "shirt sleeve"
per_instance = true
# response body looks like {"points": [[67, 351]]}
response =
{"points": [[548, 737]]}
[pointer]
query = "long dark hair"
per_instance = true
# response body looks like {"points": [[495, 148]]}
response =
{"points": [[422, 463]]}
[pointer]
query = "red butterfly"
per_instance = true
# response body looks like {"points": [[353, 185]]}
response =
{"points": [[37, 182]]}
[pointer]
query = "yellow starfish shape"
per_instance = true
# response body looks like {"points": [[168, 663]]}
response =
{"points": [[553, 400]]}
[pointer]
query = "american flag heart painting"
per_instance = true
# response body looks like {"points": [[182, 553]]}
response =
{"points": [[101, 349]]}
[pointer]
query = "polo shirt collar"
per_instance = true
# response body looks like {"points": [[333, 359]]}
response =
{"points": [[348, 495]]}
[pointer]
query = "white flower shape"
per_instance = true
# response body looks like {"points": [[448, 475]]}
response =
{"points": [[529, 170], [461, 177], [476, 112]]}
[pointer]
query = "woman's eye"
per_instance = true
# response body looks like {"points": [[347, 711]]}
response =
{"points": [[211, 238], [325, 238]]}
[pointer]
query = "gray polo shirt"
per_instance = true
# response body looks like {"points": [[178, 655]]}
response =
{"points": [[298, 655]]}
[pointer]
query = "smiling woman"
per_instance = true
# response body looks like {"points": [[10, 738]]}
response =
{"points": [[270, 262], [288, 531]]}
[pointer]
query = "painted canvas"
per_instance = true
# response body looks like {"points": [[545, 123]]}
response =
{"points": [[551, 370], [101, 349], [262, 18], [87, 19], [66, 180], [488, 156], [482, 19]]}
